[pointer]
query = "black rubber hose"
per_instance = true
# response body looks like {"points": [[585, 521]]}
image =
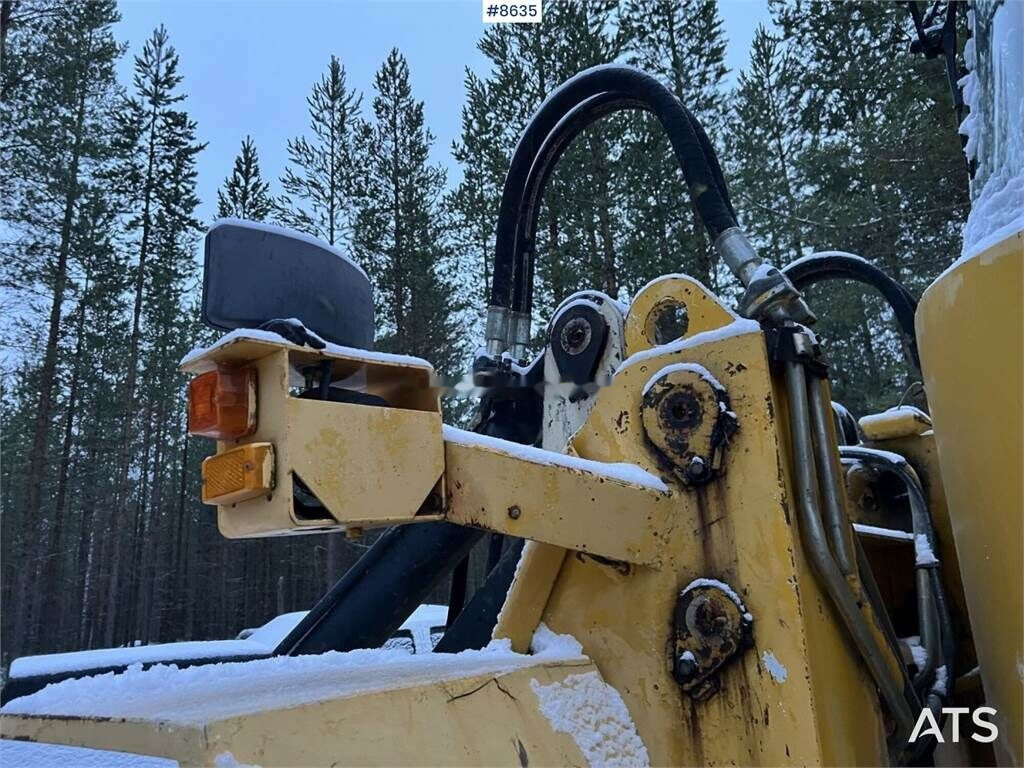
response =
{"points": [[712, 206], [475, 625], [551, 151], [838, 265], [382, 589], [557, 142]]}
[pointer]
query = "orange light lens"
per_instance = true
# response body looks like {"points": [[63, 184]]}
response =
{"points": [[222, 403], [240, 474]]}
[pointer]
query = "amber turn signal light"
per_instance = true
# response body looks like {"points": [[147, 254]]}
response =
{"points": [[222, 403], [240, 474]]}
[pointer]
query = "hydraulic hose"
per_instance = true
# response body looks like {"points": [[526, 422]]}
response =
{"points": [[557, 142], [712, 206], [936, 623], [839, 265], [933, 607], [816, 542]]}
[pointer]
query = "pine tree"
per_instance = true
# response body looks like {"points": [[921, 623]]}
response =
{"points": [[474, 203], [763, 143], [683, 43], [245, 195], [56, 142], [399, 233], [881, 175], [159, 173], [324, 178]]}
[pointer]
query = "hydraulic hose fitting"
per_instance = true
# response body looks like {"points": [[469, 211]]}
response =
{"points": [[519, 334], [738, 253], [770, 295], [496, 331]]}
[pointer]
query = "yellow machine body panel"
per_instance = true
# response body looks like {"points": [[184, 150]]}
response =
{"points": [[800, 695], [336, 450], [484, 719], [970, 327]]}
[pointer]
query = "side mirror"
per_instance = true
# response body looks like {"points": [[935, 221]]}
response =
{"points": [[256, 272]]}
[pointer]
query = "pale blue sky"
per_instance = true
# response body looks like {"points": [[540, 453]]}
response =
{"points": [[248, 66]]}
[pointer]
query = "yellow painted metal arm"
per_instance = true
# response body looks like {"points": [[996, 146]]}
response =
{"points": [[615, 511]]}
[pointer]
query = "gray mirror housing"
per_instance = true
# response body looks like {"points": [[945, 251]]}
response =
{"points": [[254, 272]]}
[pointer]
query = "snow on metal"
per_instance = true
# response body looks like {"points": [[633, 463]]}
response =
{"points": [[630, 474], [30, 754], [923, 551], [883, 533], [700, 370], [254, 334], [774, 667], [197, 695], [262, 640], [594, 714], [735, 328]]}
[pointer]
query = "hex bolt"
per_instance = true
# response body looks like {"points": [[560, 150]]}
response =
{"points": [[514, 512], [686, 666], [696, 469]]}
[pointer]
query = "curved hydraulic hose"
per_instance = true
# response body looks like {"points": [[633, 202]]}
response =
{"points": [[702, 181], [934, 608], [833, 265], [557, 142], [550, 152]]}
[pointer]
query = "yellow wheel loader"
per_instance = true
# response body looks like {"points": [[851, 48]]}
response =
{"points": [[707, 562]]}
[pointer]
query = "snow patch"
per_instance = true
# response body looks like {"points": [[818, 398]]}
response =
{"points": [[254, 334], [547, 642], [227, 760], [700, 370], [262, 640], [923, 551], [941, 685], [735, 328], [629, 474], [720, 585], [883, 533], [889, 456], [274, 631], [822, 255], [30, 754], [917, 651], [197, 695], [594, 714], [57, 663], [579, 301], [774, 667]]}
